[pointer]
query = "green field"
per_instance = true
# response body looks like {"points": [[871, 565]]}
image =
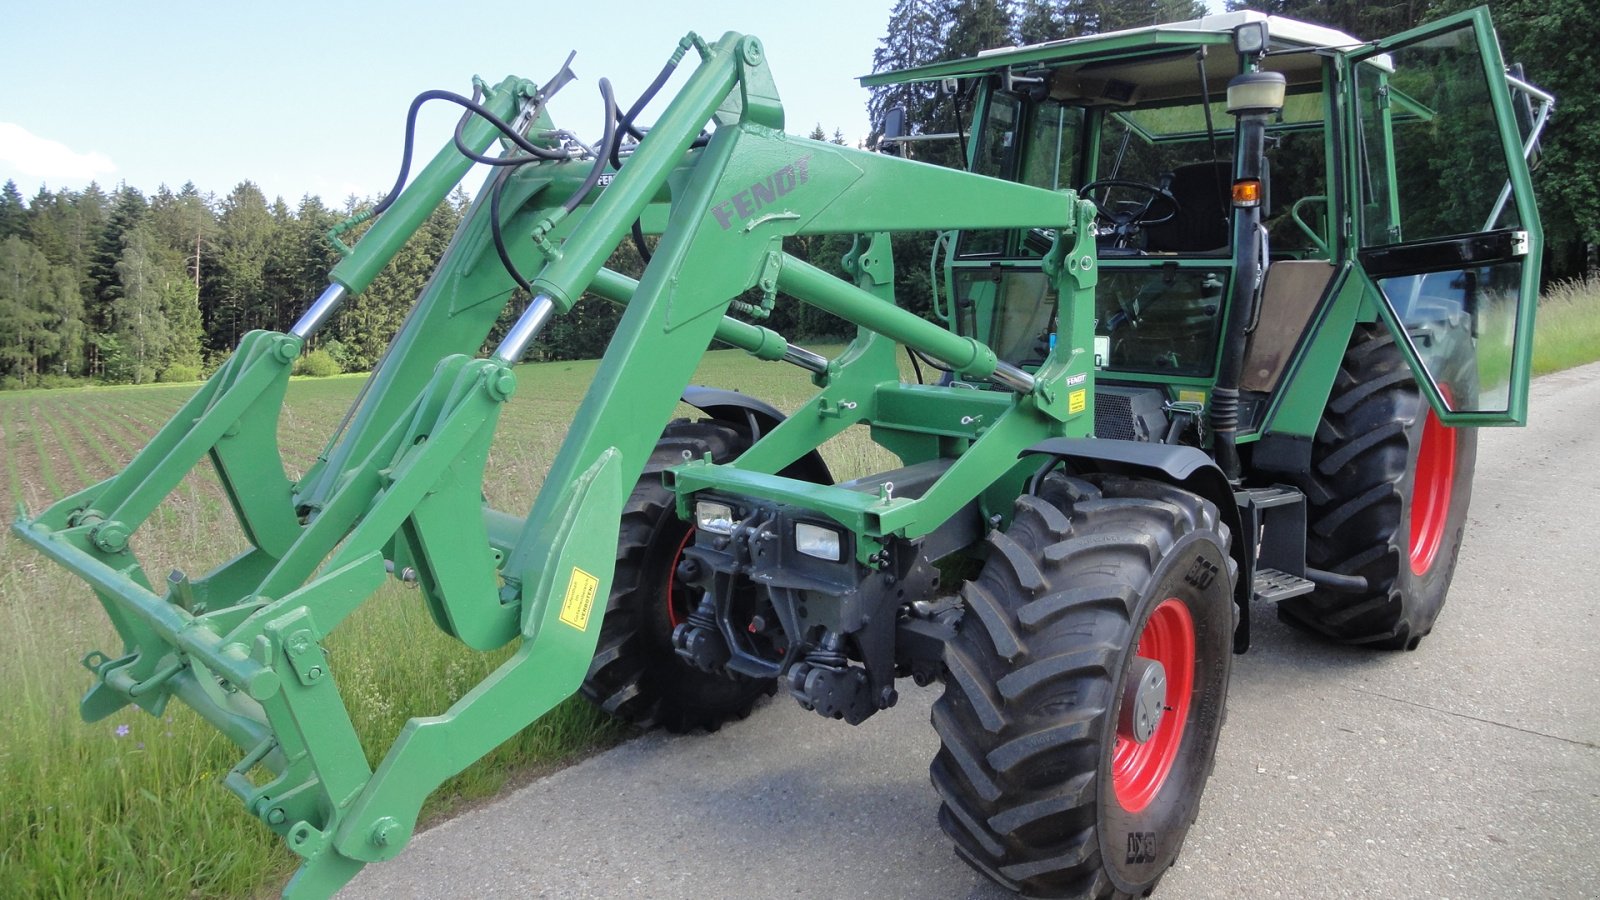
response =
{"points": [[132, 806]]}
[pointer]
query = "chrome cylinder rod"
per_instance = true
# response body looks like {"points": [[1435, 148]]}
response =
{"points": [[528, 326], [1012, 378], [320, 310], [805, 359]]}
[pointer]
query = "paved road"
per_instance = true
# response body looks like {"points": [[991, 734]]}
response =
{"points": [[1469, 768]]}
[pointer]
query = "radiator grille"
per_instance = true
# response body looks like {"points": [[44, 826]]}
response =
{"points": [[1113, 416]]}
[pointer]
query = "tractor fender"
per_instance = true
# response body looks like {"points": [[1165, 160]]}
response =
{"points": [[758, 417], [1189, 468]]}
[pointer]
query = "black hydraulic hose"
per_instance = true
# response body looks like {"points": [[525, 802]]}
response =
{"points": [[638, 242], [915, 366], [501, 177], [638, 107], [572, 202], [472, 106], [627, 126], [602, 153], [933, 363]]}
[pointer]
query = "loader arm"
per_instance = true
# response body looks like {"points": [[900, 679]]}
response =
{"points": [[401, 486]]}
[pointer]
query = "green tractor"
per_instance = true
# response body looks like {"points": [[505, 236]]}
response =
{"points": [[1221, 300]]}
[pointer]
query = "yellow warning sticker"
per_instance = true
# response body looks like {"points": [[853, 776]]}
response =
{"points": [[1077, 401], [579, 602], [1192, 397]]}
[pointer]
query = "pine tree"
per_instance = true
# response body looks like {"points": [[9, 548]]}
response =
{"points": [[246, 232], [149, 275], [25, 333], [914, 37], [975, 26], [13, 212], [184, 223], [128, 209], [63, 314]]}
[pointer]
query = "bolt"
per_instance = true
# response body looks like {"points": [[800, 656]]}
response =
{"points": [[502, 385], [314, 674], [384, 830], [112, 537], [287, 350], [752, 52], [276, 815], [298, 643]]}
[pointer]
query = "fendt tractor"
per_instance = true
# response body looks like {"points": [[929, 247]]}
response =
{"points": [[1222, 303]]}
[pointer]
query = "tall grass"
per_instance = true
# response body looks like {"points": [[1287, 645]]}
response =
{"points": [[1567, 331]]}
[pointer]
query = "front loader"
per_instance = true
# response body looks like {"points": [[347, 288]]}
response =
{"points": [[1093, 453]]}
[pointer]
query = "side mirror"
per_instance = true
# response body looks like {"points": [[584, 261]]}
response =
{"points": [[894, 127]]}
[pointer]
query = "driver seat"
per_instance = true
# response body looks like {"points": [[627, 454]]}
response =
{"points": [[1204, 192]]}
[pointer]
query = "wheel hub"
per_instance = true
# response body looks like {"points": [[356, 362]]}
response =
{"points": [[1144, 699], [1155, 705]]}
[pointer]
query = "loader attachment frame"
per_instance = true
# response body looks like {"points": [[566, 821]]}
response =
{"points": [[401, 486]]}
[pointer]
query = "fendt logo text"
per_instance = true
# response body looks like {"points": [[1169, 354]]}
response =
{"points": [[746, 203]]}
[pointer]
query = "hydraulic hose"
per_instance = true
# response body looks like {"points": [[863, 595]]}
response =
{"points": [[527, 146], [601, 153]]}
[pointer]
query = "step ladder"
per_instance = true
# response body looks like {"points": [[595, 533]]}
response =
{"points": [[1275, 522]]}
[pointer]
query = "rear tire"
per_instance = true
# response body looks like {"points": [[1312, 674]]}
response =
{"points": [[635, 674], [1044, 789], [1387, 499]]}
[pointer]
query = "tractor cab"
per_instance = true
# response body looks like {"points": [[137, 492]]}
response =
{"points": [[1251, 165]]}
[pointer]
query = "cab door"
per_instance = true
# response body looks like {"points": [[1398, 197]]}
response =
{"points": [[1447, 235]]}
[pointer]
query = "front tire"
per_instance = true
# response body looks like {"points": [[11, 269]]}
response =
{"points": [[1050, 783], [1387, 499], [635, 674]]}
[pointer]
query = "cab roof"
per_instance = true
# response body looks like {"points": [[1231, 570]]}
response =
{"points": [[1103, 54]]}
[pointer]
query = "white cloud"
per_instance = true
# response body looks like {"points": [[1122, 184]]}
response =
{"points": [[44, 158]]}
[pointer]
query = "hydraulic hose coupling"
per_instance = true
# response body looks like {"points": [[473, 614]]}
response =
{"points": [[685, 43]]}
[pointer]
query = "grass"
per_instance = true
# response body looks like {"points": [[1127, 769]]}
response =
{"points": [[1568, 329], [132, 806]]}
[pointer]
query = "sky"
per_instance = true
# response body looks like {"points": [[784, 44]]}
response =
{"points": [[310, 98]]}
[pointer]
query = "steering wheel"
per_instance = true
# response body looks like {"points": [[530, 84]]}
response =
{"points": [[1123, 221]]}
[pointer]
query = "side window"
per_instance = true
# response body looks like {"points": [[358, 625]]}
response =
{"points": [[995, 156], [1050, 155], [997, 141]]}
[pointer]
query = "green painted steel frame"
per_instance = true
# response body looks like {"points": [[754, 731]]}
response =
{"points": [[401, 485]]}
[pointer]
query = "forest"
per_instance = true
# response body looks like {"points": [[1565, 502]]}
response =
{"points": [[120, 286]]}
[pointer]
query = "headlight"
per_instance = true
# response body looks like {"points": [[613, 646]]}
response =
{"points": [[817, 541], [716, 517]]}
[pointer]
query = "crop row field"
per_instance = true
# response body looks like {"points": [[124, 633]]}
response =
{"points": [[133, 805]]}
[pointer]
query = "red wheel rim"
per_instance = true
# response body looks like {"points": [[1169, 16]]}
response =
{"points": [[675, 595], [1430, 492], [1138, 770]]}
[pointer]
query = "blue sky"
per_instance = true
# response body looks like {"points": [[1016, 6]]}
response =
{"points": [[311, 97]]}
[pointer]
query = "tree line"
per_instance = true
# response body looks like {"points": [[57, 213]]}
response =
{"points": [[127, 288], [122, 287]]}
